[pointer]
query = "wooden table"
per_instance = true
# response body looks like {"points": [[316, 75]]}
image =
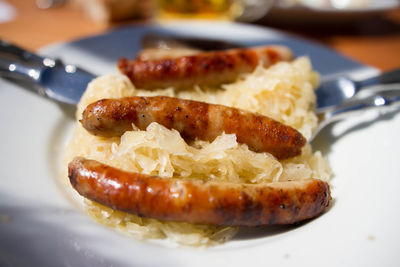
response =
{"points": [[376, 43]]}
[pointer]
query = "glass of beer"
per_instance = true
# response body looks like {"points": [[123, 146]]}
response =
{"points": [[245, 10]]}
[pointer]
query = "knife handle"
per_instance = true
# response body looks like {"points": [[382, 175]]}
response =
{"points": [[18, 63]]}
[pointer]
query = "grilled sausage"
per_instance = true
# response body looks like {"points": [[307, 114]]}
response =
{"points": [[204, 69], [193, 119], [196, 201]]}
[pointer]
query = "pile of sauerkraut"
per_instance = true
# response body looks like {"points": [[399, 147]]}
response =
{"points": [[284, 92]]}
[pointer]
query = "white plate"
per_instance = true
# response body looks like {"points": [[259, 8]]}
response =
{"points": [[41, 226]]}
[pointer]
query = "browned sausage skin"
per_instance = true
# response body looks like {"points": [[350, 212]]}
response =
{"points": [[193, 119], [204, 69], [195, 201]]}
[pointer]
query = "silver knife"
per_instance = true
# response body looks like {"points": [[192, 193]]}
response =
{"points": [[47, 76], [66, 83]]}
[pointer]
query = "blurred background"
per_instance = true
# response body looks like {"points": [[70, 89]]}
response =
{"points": [[365, 30]]}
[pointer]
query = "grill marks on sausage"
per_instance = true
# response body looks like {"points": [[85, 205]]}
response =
{"points": [[204, 69], [196, 201], [193, 119]]}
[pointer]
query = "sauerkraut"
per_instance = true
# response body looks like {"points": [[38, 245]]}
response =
{"points": [[284, 92]]}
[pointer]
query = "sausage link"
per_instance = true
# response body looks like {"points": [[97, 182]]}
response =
{"points": [[195, 201], [193, 119], [204, 69]]}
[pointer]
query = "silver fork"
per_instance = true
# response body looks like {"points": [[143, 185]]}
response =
{"points": [[335, 91], [381, 98]]}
